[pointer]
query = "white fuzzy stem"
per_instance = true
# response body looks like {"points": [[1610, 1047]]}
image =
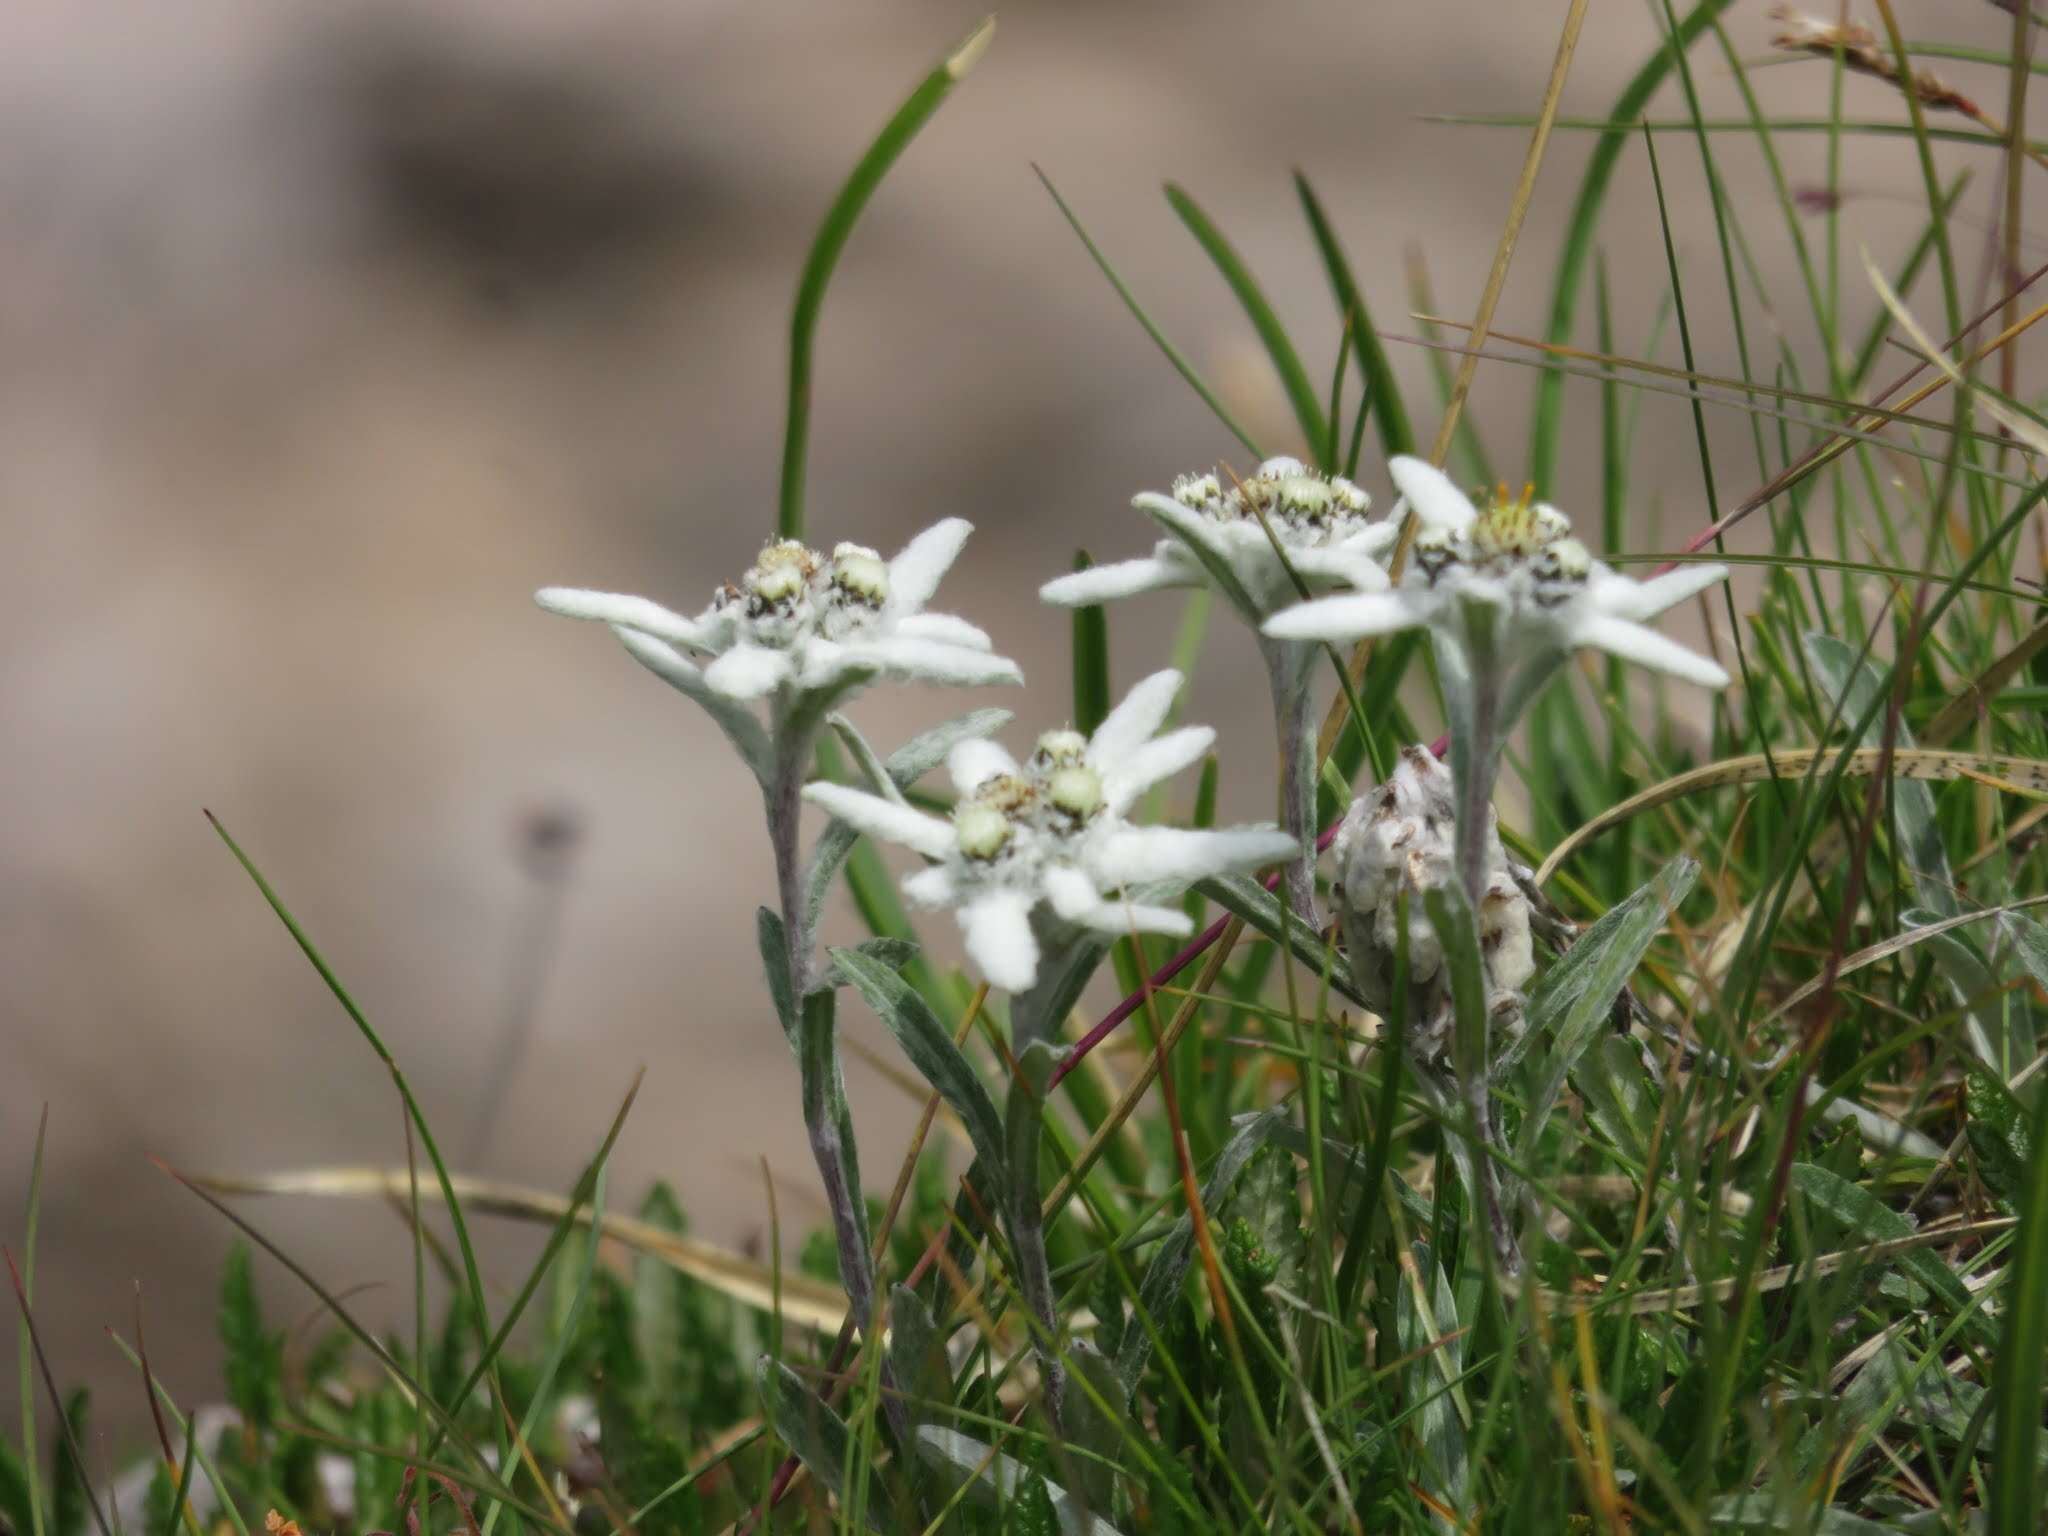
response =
{"points": [[1287, 669]]}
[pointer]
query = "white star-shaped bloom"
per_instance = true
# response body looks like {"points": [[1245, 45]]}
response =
{"points": [[803, 623], [1218, 537], [1509, 588], [1052, 833]]}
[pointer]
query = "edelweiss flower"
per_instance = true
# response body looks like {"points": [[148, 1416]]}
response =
{"points": [[800, 622], [1510, 589], [1220, 539], [1399, 837], [1052, 832]]}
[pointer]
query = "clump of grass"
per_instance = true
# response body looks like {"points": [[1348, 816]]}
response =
{"points": [[1773, 1135]]}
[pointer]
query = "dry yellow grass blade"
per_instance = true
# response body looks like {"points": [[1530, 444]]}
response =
{"points": [[1891, 946], [2028, 433], [1965, 706], [1792, 762], [1677, 1297], [1482, 322], [1955, 717], [804, 1300], [1688, 376]]}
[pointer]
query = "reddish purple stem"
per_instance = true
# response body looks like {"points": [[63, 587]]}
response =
{"points": [[1197, 947]]}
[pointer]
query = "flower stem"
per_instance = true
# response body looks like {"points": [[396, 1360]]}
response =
{"points": [[1475, 764], [1287, 669], [784, 798], [827, 1124]]}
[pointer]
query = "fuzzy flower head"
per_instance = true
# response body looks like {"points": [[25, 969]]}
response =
{"points": [[803, 620], [1510, 589], [803, 627], [1399, 837], [1223, 533], [1047, 841]]}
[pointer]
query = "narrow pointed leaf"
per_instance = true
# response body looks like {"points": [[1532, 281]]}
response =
{"points": [[929, 1045], [1301, 390], [868, 171], [1572, 1003]]}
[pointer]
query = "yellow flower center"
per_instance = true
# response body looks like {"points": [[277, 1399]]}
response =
{"points": [[1514, 527]]}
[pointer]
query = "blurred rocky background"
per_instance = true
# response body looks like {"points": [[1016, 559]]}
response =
{"points": [[327, 333]]}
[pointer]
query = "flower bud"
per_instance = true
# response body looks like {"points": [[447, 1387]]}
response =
{"points": [[859, 574], [1075, 790], [1400, 837], [982, 831]]}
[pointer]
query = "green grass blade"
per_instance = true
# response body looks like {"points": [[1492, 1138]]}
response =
{"points": [[2017, 1373], [565, 1335], [206, 1462], [472, 1274], [30, 1460], [1172, 353], [363, 1336], [1547, 420], [929, 1045], [1301, 390], [845, 212], [67, 1433], [1091, 660]]}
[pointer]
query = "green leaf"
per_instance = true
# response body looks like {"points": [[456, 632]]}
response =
{"points": [[1999, 1139], [1970, 980], [252, 1360], [70, 1500], [1091, 660], [1267, 1200], [1571, 1004], [1032, 1514], [769, 937], [917, 1356], [806, 1424], [1093, 1414], [1161, 1285], [894, 954], [2029, 945], [1438, 1350], [1301, 390], [1760, 1512], [999, 1478], [1869, 1217], [1618, 1095], [868, 171], [1243, 896], [1855, 686], [17, 1507], [1023, 1136], [929, 1045]]}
